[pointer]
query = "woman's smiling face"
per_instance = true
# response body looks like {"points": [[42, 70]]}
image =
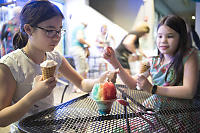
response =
{"points": [[167, 40]]}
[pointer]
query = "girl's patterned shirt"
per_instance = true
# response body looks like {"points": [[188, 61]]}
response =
{"points": [[158, 72]]}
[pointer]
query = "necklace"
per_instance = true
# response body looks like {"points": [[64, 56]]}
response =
{"points": [[45, 56], [25, 53]]}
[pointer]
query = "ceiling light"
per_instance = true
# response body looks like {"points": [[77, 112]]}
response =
{"points": [[193, 17]]}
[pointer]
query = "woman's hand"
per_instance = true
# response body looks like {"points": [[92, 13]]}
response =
{"points": [[42, 88], [144, 83]]}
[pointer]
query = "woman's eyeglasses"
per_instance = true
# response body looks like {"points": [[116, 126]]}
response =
{"points": [[52, 33]]}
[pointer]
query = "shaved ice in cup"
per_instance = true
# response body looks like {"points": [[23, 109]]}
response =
{"points": [[104, 107], [104, 94]]}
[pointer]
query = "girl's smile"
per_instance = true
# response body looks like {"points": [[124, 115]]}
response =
{"points": [[167, 40], [163, 47]]}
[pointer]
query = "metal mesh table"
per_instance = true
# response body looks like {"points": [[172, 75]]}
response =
{"points": [[81, 115]]}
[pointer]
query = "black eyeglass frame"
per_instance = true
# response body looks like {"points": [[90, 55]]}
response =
{"points": [[56, 32]]}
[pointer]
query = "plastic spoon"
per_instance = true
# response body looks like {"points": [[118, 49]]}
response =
{"points": [[125, 103]]}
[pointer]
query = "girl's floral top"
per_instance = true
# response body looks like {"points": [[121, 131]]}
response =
{"points": [[156, 102], [158, 72]]}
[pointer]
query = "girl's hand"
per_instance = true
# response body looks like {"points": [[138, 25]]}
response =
{"points": [[112, 76], [109, 55], [42, 88], [144, 83], [109, 76]]}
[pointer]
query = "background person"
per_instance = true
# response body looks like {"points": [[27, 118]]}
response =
{"points": [[103, 40], [130, 45], [80, 49], [7, 32], [195, 37]]}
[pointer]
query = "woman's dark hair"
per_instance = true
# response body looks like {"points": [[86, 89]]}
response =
{"points": [[34, 13], [178, 24]]}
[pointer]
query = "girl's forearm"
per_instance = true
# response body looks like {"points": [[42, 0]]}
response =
{"points": [[124, 76], [175, 91], [87, 84], [16, 111], [127, 78]]}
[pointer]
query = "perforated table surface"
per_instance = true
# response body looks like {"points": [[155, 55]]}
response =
{"points": [[81, 115]]}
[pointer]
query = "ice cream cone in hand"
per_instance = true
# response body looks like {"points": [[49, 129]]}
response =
{"points": [[48, 68], [144, 66]]}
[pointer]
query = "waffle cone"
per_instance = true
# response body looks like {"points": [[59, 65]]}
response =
{"points": [[48, 72], [144, 67]]}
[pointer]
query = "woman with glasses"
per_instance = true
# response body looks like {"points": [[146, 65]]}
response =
{"points": [[22, 90]]}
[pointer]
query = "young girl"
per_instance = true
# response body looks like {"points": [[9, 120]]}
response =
{"points": [[40, 32], [174, 72]]}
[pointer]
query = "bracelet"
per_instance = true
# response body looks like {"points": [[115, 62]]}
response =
{"points": [[154, 89]]}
